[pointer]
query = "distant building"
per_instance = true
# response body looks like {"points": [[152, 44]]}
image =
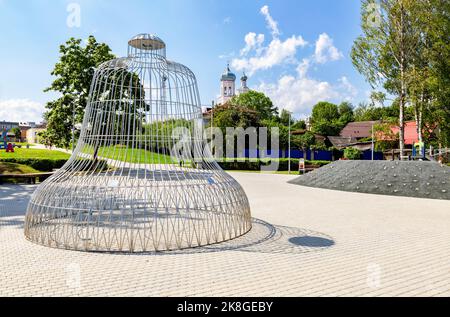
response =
{"points": [[228, 86], [23, 134], [244, 88], [8, 125], [27, 124], [353, 132], [308, 123], [32, 134], [358, 130], [342, 142], [411, 135]]}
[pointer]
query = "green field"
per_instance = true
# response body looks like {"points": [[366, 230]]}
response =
{"points": [[124, 154], [25, 153], [13, 168]]}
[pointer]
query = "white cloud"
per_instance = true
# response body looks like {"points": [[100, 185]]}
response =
{"points": [[325, 50], [252, 41], [350, 90], [300, 93], [297, 92], [21, 110], [227, 20], [227, 55], [303, 67], [271, 23], [278, 52]]}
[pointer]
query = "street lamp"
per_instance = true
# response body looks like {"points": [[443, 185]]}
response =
{"points": [[373, 138], [73, 124], [289, 145], [373, 147], [212, 119]]}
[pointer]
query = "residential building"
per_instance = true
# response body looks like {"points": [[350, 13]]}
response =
{"points": [[358, 130]]}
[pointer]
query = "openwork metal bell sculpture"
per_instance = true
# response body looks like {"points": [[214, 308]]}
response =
{"points": [[141, 177]]}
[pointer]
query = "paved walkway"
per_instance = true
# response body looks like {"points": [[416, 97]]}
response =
{"points": [[305, 241]]}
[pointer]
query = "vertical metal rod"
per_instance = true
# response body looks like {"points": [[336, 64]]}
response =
{"points": [[73, 125], [289, 145], [373, 147]]}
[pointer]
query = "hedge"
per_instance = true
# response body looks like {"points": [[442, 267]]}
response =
{"points": [[255, 164], [40, 164], [47, 165]]}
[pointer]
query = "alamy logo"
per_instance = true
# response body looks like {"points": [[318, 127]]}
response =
{"points": [[74, 17]]}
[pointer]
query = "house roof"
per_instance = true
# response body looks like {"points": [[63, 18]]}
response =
{"points": [[361, 129], [411, 135], [299, 132], [342, 141]]}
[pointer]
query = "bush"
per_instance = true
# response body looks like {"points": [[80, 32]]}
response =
{"points": [[43, 165], [255, 164], [352, 153], [48, 165]]}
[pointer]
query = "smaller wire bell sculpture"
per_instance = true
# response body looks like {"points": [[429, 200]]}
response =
{"points": [[123, 189]]}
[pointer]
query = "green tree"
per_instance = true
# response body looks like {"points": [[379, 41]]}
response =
{"points": [[325, 119], [299, 125], [384, 53], [256, 101], [432, 65], [345, 110], [286, 117], [304, 141], [283, 132], [385, 138], [74, 72], [352, 153], [232, 115], [16, 131]]}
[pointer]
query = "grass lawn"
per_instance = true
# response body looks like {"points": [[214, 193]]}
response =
{"points": [[130, 155], [25, 153], [7, 168]]}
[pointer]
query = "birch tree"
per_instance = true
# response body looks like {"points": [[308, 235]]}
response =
{"points": [[383, 53]]}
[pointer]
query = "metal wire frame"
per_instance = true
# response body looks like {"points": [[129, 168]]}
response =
{"points": [[121, 190]]}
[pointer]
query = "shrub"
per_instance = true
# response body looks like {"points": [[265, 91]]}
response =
{"points": [[40, 164], [255, 164], [352, 153], [48, 165]]}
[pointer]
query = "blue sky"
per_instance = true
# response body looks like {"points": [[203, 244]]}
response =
{"points": [[296, 51]]}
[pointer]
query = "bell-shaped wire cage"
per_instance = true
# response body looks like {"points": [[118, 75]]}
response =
{"points": [[142, 177]]}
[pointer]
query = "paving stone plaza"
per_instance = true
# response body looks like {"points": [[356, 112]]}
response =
{"points": [[305, 242]]}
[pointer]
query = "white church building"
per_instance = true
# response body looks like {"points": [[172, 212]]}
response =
{"points": [[228, 86]]}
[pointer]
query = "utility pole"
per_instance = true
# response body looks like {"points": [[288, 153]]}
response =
{"points": [[212, 126], [73, 125], [373, 146], [289, 145]]}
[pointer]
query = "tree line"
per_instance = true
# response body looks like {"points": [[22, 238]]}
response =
{"points": [[404, 49]]}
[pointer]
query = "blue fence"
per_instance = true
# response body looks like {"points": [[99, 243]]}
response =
{"points": [[318, 155], [367, 155]]}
